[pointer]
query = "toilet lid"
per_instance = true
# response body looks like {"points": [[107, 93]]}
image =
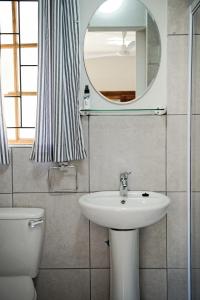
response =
{"points": [[17, 288]]}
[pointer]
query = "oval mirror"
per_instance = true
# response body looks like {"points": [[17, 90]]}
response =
{"points": [[122, 50]]}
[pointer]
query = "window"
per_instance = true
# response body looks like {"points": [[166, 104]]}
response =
{"points": [[19, 38]]}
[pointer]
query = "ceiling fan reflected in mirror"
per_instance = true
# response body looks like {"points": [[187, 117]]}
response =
{"points": [[127, 46]]}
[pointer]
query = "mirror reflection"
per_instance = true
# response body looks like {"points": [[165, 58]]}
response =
{"points": [[122, 50]]}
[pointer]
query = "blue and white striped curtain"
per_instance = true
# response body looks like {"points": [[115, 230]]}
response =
{"points": [[58, 127], [4, 151]]}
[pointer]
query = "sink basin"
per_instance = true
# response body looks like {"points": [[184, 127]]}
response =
{"points": [[138, 209]]}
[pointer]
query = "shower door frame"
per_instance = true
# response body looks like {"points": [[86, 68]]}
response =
{"points": [[195, 5]]}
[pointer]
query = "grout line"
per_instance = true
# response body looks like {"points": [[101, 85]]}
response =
{"points": [[49, 193], [166, 241], [167, 285], [74, 268], [89, 228], [167, 277], [177, 34], [176, 191], [170, 114], [135, 190], [181, 34], [83, 193], [89, 152], [65, 193], [181, 114], [175, 268], [96, 268], [90, 272], [166, 187], [10, 193]]}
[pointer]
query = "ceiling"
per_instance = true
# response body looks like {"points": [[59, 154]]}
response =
{"points": [[109, 43]]}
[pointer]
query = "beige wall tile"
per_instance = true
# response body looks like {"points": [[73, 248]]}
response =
{"points": [[195, 142], [100, 289], [195, 284], [177, 231], [133, 143], [153, 284], [6, 177], [5, 200], [177, 74], [66, 242], [153, 245], [177, 284], [178, 16], [195, 230], [63, 285], [100, 251], [27, 175], [177, 153], [196, 73]]}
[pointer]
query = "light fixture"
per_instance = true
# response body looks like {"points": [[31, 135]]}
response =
{"points": [[110, 6]]}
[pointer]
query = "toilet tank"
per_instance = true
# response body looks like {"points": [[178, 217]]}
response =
{"points": [[21, 239]]}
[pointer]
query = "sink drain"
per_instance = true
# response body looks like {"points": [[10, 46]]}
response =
{"points": [[123, 202]]}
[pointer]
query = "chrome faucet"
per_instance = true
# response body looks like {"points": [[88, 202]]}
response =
{"points": [[124, 184]]}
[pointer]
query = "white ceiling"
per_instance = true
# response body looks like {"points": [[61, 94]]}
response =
{"points": [[107, 43]]}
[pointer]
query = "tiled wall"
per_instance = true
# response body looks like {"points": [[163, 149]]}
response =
{"points": [[75, 262], [178, 27]]}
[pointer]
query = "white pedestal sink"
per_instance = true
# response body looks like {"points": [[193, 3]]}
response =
{"points": [[123, 216]]}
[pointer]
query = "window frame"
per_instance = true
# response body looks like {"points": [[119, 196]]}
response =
{"points": [[17, 93]]}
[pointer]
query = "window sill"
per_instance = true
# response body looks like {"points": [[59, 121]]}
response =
{"points": [[19, 145]]}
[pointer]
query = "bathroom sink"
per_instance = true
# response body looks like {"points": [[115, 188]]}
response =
{"points": [[124, 215], [138, 209]]}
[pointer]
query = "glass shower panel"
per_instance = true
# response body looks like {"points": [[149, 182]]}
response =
{"points": [[195, 157]]}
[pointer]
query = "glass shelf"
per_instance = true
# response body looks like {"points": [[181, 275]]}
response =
{"points": [[148, 111]]}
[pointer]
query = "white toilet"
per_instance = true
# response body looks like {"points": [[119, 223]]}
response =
{"points": [[21, 237]]}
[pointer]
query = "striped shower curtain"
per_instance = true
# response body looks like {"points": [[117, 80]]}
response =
{"points": [[4, 152], [58, 128]]}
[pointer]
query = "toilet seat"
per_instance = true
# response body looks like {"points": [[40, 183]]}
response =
{"points": [[17, 288]]}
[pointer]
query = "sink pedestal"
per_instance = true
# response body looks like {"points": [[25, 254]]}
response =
{"points": [[124, 253]]}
